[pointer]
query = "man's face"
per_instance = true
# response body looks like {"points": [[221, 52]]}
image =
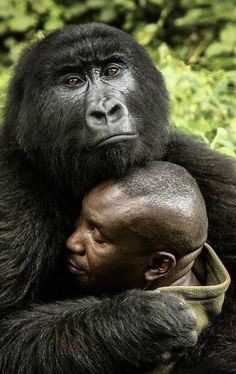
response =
{"points": [[108, 251]]}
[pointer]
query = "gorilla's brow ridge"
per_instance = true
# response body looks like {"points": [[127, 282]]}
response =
{"points": [[78, 61], [83, 62]]}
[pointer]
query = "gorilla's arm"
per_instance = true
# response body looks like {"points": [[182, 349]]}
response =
{"points": [[30, 237], [132, 330], [124, 334], [216, 176]]}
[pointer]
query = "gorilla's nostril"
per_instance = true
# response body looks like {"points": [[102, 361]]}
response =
{"points": [[97, 114], [114, 110]]}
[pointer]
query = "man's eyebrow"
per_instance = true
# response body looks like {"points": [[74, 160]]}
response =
{"points": [[92, 220], [97, 224]]}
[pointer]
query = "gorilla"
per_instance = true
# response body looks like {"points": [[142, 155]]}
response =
{"points": [[86, 104]]}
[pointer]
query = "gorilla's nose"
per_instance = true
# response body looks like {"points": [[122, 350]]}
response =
{"points": [[110, 112]]}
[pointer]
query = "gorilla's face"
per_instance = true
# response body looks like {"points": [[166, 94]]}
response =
{"points": [[88, 98], [93, 100]]}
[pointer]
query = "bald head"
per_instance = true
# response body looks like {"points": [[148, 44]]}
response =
{"points": [[175, 206]]}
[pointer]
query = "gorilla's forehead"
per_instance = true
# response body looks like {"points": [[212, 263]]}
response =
{"points": [[90, 43]]}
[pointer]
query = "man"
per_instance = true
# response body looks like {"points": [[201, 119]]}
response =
{"points": [[148, 231]]}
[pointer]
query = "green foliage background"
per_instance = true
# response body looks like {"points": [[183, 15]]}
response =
{"points": [[192, 42]]}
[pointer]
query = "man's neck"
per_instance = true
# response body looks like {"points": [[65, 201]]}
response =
{"points": [[188, 279]]}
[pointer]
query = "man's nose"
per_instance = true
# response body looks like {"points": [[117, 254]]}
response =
{"points": [[75, 244]]}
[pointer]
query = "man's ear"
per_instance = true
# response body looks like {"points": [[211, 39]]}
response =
{"points": [[162, 263]]}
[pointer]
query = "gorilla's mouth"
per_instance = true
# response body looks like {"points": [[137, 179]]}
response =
{"points": [[116, 138]]}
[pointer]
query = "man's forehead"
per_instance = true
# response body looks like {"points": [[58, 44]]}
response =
{"points": [[108, 200]]}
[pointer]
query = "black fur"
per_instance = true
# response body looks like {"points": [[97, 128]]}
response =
{"points": [[46, 167], [85, 336]]}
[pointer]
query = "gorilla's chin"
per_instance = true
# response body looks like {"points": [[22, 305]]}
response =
{"points": [[111, 161], [117, 154]]}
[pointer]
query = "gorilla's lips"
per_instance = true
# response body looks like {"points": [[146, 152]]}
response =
{"points": [[116, 138]]}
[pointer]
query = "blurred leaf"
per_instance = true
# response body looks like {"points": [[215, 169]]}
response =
{"points": [[22, 23], [146, 33], [228, 34]]}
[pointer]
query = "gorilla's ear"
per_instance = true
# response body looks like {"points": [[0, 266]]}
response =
{"points": [[161, 265]]}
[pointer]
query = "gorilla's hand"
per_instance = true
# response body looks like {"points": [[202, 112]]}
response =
{"points": [[170, 318], [154, 325]]}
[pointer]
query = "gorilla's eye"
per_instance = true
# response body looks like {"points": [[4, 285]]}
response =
{"points": [[111, 71], [72, 81]]}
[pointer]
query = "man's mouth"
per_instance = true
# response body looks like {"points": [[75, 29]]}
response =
{"points": [[74, 268]]}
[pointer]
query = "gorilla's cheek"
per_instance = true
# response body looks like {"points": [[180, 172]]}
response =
{"points": [[59, 119]]}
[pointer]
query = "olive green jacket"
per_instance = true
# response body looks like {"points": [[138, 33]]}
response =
{"points": [[206, 300]]}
